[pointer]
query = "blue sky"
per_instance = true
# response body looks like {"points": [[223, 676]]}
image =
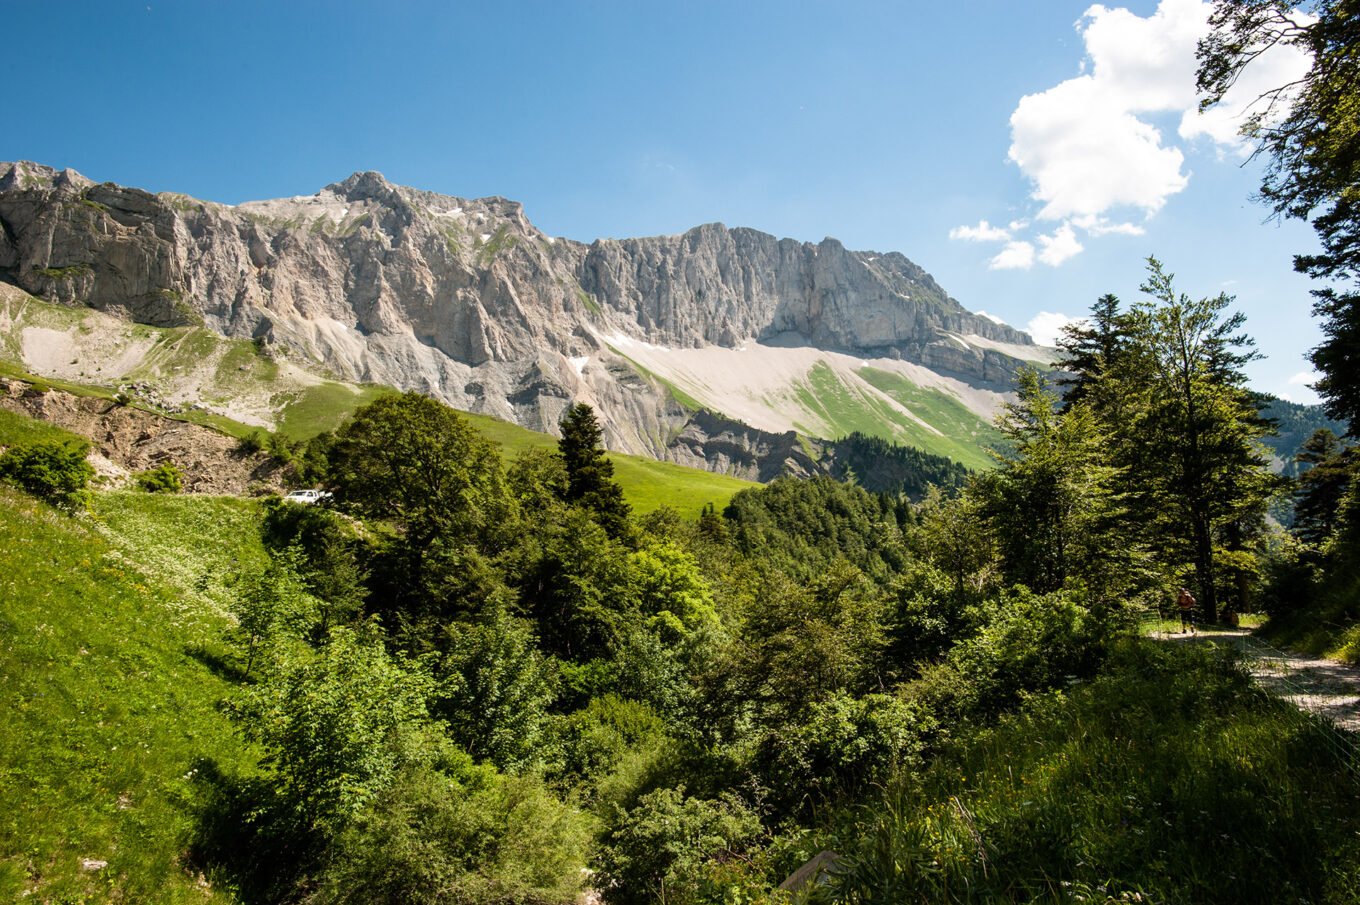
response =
{"points": [[890, 126]]}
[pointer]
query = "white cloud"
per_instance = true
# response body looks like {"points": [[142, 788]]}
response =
{"points": [[1095, 148], [1304, 378], [991, 317], [1082, 143], [1059, 246], [1100, 226], [983, 232], [1299, 388], [1046, 326], [1015, 256]]}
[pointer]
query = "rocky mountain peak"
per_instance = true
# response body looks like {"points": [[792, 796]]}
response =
{"points": [[26, 175], [468, 301], [366, 185]]}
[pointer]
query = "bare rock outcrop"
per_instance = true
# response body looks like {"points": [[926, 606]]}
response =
{"points": [[467, 300]]}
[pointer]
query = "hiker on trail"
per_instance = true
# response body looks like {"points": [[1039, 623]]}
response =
{"points": [[1185, 602]]}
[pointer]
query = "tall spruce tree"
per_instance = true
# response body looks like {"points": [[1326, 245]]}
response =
{"points": [[1322, 488], [590, 474]]}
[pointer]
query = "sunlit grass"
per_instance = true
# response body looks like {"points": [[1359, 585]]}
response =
{"points": [[107, 704], [1167, 779]]}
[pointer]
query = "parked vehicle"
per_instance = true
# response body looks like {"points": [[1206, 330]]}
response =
{"points": [[307, 497]]}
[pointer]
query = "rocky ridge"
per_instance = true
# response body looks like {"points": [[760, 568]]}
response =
{"points": [[468, 301]]}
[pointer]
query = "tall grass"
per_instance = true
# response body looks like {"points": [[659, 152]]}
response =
{"points": [[1169, 778], [107, 700]]}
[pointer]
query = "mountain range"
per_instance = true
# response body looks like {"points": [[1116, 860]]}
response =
{"points": [[725, 348]]}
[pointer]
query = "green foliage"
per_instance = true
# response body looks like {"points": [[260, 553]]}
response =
{"points": [[458, 834], [416, 462], [665, 848], [252, 442], [845, 747], [1165, 386], [1167, 779], [802, 526], [647, 483], [52, 471], [325, 557], [1322, 488], [495, 689], [881, 466], [1294, 424], [273, 605], [952, 537], [1051, 501], [797, 646], [610, 749], [671, 591], [590, 473], [164, 478], [1025, 643], [1308, 131], [337, 725]]}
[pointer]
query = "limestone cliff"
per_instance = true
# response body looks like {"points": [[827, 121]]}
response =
{"points": [[468, 301]]}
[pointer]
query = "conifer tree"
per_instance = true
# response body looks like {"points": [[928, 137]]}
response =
{"points": [[590, 474], [1322, 487], [1196, 471]]}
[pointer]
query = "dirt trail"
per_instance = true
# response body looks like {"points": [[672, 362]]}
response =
{"points": [[1319, 686]]}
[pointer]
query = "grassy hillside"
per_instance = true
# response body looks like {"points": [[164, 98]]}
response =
{"points": [[1168, 778], [15, 428], [845, 409], [109, 699], [647, 484]]}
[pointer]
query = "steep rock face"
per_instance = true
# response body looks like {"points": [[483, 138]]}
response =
{"points": [[466, 299], [718, 286], [720, 444]]}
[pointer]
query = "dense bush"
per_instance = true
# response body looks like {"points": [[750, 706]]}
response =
{"points": [[461, 835], [55, 472], [164, 478], [1026, 642], [844, 747], [669, 848]]}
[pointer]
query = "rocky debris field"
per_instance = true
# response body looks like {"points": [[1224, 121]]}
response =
{"points": [[126, 440]]}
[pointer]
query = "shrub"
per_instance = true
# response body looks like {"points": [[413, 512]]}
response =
{"points": [[337, 726], [459, 834], [495, 689], [1167, 778], [670, 847], [251, 443], [845, 746], [164, 478], [611, 749], [1028, 642], [55, 472]]}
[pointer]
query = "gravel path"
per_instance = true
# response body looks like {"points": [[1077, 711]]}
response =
{"points": [[1319, 686]]}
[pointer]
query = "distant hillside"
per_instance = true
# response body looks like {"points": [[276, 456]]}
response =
{"points": [[1295, 424]]}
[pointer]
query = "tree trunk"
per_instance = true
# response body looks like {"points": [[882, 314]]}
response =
{"points": [[1204, 570]]}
